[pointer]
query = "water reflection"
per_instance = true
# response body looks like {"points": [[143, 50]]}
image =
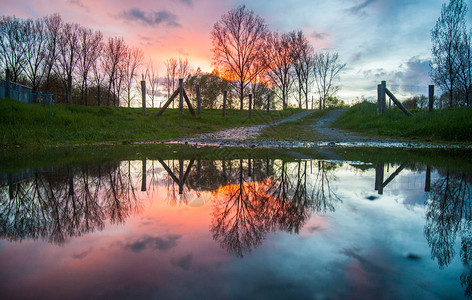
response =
{"points": [[249, 198], [66, 202], [448, 215]]}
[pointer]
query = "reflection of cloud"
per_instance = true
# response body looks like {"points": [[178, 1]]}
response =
{"points": [[183, 262], [82, 254], [154, 243], [154, 18]]}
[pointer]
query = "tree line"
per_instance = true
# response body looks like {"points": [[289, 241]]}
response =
{"points": [[82, 67], [70, 60]]}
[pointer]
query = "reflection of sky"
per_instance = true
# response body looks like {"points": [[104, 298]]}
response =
{"points": [[359, 251]]}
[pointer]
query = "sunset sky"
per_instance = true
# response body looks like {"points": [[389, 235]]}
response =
{"points": [[377, 39]]}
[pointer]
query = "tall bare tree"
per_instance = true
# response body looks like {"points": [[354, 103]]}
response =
{"points": [[36, 51], [326, 70], [447, 39], [465, 70], [12, 45], [115, 50], [53, 25], [171, 65], [280, 65], [238, 46], [132, 62], [303, 64], [68, 56], [90, 48], [98, 69], [152, 77], [183, 69]]}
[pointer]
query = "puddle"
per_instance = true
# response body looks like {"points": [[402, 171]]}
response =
{"points": [[237, 224]]}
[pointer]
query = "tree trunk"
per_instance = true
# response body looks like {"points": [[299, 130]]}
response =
{"points": [[98, 96], [241, 95]]}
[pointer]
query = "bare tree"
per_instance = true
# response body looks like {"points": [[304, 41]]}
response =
{"points": [[465, 70], [35, 51], [447, 39], [53, 26], [68, 56], [114, 52], [280, 65], [171, 65], [152, 76], [326, 70], [238, 46], [90, 48], [12, 45], [98, 69], [132, 61], [183, 70], [303, 64]]}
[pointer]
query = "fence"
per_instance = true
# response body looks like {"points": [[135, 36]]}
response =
{"points": [[17, 91], [382, 91], [24, 93], [44, 98]]}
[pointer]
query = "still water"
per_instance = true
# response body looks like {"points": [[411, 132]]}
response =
{"points": [[236, 228]]}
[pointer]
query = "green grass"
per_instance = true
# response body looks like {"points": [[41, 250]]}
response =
{"points": [[33, 125], [298, 130], [446, 125]]}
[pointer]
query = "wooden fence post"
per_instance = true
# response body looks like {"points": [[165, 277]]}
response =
{"points": [[199, 100], [181, 96], [379, 177], [379, 92], [431, 98], [224, 102], [250, 105], [427, 184], [181, 176], [143, 178], [143, 93], [382, 98], [7, 88]]}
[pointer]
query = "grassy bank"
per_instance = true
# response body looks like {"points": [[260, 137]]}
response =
{"points": [[446, 125], [33, 125], [298, 130]]}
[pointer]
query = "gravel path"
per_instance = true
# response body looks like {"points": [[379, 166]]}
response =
{"points": [[247, 137], [328, 134], [240, 133]]}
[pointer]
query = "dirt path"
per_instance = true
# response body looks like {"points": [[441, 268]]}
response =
{"points": [[239, 134], [328, 134], [331, 137]]}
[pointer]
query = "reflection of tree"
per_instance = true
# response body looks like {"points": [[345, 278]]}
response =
{"points": [[65, 203], [252, 197], [324, 197], [448, 213], [237, 215], [282, 198]]}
